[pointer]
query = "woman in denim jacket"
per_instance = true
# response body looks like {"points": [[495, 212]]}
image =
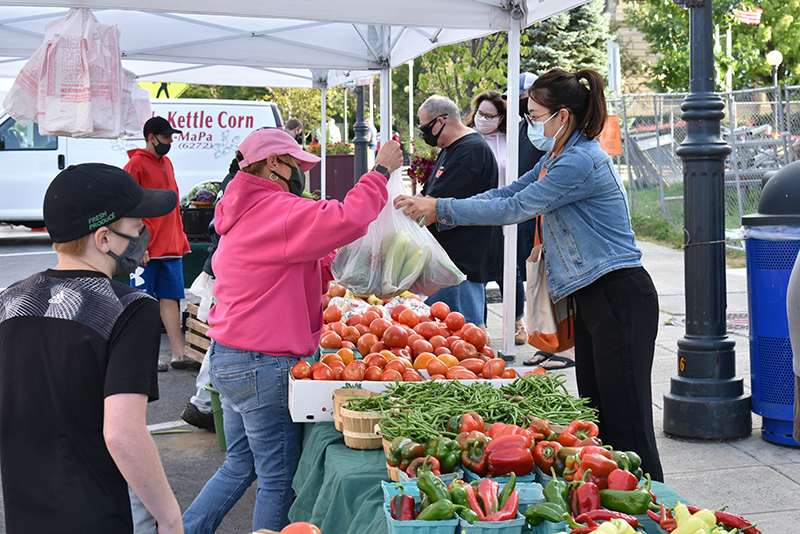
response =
{"points": [[590, 252]]}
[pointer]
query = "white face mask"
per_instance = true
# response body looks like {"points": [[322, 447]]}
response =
{"points": [[486, 126]]}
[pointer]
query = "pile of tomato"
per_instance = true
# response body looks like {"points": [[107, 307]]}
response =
{"points": [[442, 343]]}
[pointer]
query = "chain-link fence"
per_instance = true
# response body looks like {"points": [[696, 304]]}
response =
{"points": [[762, 126]]}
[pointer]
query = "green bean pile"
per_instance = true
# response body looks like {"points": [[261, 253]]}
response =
{"points": [[420, 410]]}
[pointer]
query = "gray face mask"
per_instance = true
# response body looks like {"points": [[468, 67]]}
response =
{"points": [[132, 257]]}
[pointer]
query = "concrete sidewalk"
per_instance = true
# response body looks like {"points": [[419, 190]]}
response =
{"points": [[751, 476]]}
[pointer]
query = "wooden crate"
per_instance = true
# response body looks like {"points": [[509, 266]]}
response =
{"points": [[197, 342]]}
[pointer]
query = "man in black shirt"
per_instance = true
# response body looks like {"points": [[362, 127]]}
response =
{"points": [[78, 354], [464, 167]]}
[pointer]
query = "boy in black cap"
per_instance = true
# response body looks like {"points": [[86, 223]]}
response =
{"points": [[78, 355], [161, 273]]}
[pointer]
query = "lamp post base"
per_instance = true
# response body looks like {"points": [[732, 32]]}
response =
{"points": [[707, 417]]}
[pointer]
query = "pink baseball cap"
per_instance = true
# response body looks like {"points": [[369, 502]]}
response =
{"points": [[261, 143]]}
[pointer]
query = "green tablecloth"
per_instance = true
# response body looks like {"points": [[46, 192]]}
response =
{"points": [[338, 488]]}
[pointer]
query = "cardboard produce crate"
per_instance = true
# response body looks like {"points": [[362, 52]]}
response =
{"points": [[197, 342]]}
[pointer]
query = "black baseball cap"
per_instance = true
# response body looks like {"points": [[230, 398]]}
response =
{"points": [[159, 126], [84, 197]]}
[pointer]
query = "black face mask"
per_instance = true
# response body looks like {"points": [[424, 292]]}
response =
{"points": [[161, 148], [297, 182], [427, 132]]}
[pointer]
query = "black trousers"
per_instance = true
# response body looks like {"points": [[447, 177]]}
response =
{"points": [[616, 324]]}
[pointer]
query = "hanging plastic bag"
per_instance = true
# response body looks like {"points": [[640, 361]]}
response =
{"points": [[203, 287], [394, 256], [135, 105]]}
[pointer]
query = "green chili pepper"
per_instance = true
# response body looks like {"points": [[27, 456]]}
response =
{"points": [[458, 494], [468, 515], [557, 492], [634, 502], [437, 511], [507, 489], [544, 511], [424, 501], [432, 486]]}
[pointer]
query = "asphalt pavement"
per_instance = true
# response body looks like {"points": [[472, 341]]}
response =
{"points": [[750, 476]]}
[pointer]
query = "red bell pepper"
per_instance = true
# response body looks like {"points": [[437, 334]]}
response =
{"points": [[578, 431], [585, 496], [463, 436], [501, 429], [466, 423], [509, 453], [402, 505], [544, 454], [595, 468], [432, 463], [594, 449], [473, 455], [540, 428], [487, 493], [619, 479], [509, 510]]}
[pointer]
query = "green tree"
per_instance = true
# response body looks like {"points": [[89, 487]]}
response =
{"points": [[665, 26], [571, 41]]}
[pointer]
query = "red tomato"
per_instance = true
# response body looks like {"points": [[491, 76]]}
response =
{"points": [[379, 326], [375, 359], [332, 314], [373, 373], [362, 329], [348, 345], [488, 352], [397, 310], [440, 310], [444, 331], [472, 364], [379, 346], [368, 317], [301, 527], [426, 319], [326, 299], [437, 377], [412, 338], [351, 334], [494, 367], [337, 368], [441, 350], [508, 373], [410, 375], [330, 340], [402, 353], [438, 341], [395, 336], [365, 343], [377, 309], [436, 366], [390, 375], [454, 320], [474, 335], [398, 364], [463, 350], [321, 372], [427, 329], [354, 320], [539, 370], [409, 317], [301, 370], [453, 370], [338, 327], [352, 371], [466, 375], [419, 346]]}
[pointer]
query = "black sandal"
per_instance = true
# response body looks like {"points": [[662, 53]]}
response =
{"points": [[538, 359], [556, 363]]}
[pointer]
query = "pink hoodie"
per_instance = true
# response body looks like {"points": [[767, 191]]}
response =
{"points": [[269, 263]]}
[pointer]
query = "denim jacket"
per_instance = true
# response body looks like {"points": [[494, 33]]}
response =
{"points": [[586, 223]]}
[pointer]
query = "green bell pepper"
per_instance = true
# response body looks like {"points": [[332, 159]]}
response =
{"points": [[557, 492], [634, 502], [448, 452], [473, 457], [437, 511], [393, 457]]}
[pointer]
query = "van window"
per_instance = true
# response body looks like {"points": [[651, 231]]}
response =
{"points": [[14, 136]]}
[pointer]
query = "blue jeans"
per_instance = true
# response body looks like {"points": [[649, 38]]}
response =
{"points": [[263, 442], [468, 297]]}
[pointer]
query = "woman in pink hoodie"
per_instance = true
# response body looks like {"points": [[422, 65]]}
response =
{"points": [[271, 264]]}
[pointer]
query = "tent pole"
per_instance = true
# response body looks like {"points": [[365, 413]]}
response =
{"points": [[386, 105], [508, 351], [323, 144], [345, 114]]}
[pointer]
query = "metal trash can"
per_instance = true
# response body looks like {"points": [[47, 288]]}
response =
{"points": [[772, 241]]}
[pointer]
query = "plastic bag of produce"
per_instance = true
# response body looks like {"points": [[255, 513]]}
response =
{"points": [[395, 255]]}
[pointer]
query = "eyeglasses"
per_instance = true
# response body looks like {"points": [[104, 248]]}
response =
{"points": [[427, 127], [530, 119], [487, 116]]}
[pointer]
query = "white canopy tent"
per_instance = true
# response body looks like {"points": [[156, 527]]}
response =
{"points": [[216, 40]]}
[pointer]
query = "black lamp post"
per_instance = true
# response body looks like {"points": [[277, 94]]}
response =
{"points": [[706, 398], [360, 139]]}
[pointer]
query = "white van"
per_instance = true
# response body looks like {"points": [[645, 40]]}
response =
{"points": [[212, 131]]}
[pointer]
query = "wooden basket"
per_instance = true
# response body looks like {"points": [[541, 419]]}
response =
{"points": [[394, 473], [197, 342], [343, 395], [359, 429]]}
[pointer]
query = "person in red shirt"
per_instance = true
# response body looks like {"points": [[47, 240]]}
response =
{"points": [[161, 271]]}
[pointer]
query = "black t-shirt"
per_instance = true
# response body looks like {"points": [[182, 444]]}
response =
{"points": [[528, 157], [68, 340], [466, 168]]}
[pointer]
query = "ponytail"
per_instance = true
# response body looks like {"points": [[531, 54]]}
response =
{"points": [[557, 89]]}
